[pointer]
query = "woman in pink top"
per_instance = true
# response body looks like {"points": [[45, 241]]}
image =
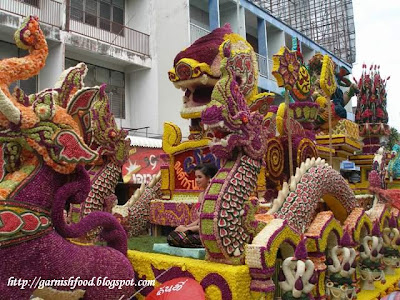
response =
{"points": [[187, 236]]}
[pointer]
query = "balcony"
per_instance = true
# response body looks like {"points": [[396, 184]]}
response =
{"points": [[197, 32], [86, 24], [48, 11], [262, 65]]}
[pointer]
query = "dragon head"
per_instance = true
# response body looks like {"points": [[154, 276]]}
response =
{"points": [[198, 68], [228, 116], [103, 135]]}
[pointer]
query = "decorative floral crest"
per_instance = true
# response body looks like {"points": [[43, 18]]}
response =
{"points": [[286, 68]]}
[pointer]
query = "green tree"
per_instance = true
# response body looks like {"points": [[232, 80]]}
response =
{"points": [[394, 138]]}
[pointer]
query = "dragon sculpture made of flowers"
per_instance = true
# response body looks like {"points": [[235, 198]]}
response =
{"points": [[198, 68], [226, 213], [42, 157]]}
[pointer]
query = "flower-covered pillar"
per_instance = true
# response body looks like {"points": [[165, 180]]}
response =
{"points": [[371, 113], [286, 71], [391, 245], [371, 267], [322, 235], [297, 276], [341, 267]]}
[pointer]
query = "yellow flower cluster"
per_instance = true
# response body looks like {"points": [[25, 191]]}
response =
{"points": [[237, 277], [327, 81], [381, 289], [172, 140]]}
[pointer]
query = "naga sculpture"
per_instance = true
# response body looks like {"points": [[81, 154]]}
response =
{"points": [[134, 214], [42, 153], [198, 68], [103, 135], [227, 221]]}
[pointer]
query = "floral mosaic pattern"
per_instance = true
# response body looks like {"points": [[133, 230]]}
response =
{"points": [[299, 206]]}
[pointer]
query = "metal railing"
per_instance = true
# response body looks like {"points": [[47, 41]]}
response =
{"points": [[197, 32], [270, 66], [104, 30], [48, 11], [262, 65]]}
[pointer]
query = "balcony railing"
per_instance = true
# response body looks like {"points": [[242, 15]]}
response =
{"points": [[270, 66], [48, 11], [197, 32], [104, 30], [262, 65]]}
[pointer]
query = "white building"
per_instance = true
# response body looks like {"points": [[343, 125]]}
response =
{"points": [[131, 44]]}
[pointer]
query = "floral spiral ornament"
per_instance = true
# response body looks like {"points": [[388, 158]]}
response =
{"points": [[302, 89], [306, 149], [274, 158]]}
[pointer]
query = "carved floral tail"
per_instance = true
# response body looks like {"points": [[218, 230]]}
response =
{"points": [[134, 214], [29, 37], [223, 219], [103, 182], [75, 192]]}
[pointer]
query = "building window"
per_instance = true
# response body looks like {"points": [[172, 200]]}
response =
{"points": [[8, 50], [31, 2], [115, 81], [105, 14]]}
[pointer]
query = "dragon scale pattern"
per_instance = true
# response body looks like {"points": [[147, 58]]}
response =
{"points": [[104, 180], [228, 192]]}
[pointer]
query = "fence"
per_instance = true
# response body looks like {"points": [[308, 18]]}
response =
{"points": [[48, 11]]}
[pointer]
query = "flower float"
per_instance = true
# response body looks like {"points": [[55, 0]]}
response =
{"points": [[297, 277], [371, 252], [341, 267]]}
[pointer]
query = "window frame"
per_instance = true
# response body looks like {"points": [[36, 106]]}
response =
{"points": [[102, 23], [109, 88]]}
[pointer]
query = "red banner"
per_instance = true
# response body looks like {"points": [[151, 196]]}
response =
{"points": [[142, 165]]}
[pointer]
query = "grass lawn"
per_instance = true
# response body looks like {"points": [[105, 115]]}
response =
{"points": [[145, 243]]}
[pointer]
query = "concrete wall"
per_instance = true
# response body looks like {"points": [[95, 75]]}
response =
{"points": [[135, 15], [230, 16], [276, 39], [170, 33], [54, 66]]}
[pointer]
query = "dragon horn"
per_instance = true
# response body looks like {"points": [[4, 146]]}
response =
{"points": [[9, 110]]}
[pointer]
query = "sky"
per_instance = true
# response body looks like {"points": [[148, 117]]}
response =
{"points": [[378, 42]]}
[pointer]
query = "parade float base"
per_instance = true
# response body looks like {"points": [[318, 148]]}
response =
{"points": [[164, 248], [219, 281], [172, 213], [343, 145], [381, 290]]}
